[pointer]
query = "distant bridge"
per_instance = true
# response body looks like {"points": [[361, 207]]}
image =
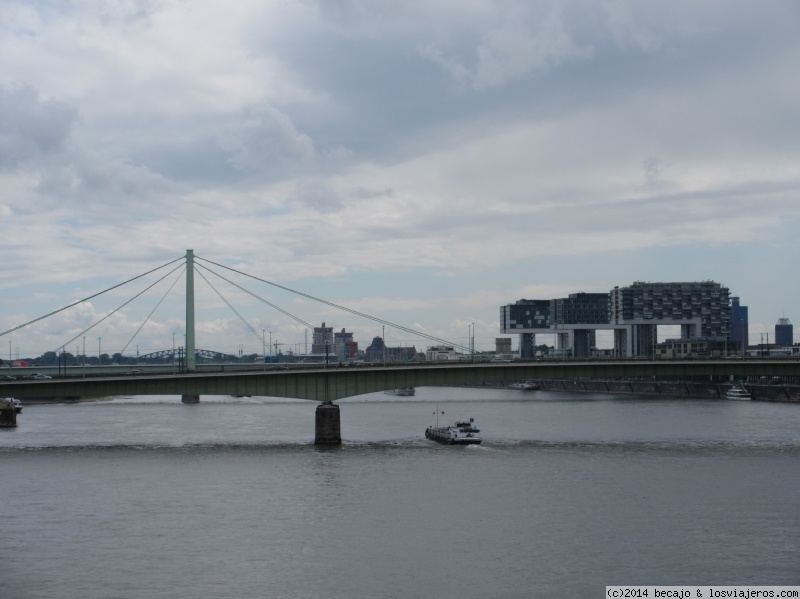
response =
{"points": [[200, 354], [333, 383]]}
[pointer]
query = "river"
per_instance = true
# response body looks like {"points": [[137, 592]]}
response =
{"points": [[147, 497]]}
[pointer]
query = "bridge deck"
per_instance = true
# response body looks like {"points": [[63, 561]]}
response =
{"points": [[335, 383]]}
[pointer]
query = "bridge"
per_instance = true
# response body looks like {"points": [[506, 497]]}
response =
{"points": [[328, 384]]}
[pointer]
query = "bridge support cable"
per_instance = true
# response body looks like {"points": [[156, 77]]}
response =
{"points": [[146, 320], [339, 307], [86, 299], [235, 311], [122, 306], [259, 298]]}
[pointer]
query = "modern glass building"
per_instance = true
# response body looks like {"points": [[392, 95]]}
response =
{"points": [[702, 309], [784, 333], [739, 325]]}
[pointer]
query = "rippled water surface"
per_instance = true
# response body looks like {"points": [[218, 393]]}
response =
{"points": [[147, 497]]}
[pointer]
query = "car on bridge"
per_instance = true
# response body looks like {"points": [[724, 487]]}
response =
{"points": [[41, 377], [5, 377]]}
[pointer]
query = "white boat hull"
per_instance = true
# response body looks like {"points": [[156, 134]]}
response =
{"points": [[462, 433], [738, 392]]}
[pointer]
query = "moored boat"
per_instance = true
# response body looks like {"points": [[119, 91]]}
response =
{"points": [[402, 392], [524, 386], [738, 391], [463, 432]]}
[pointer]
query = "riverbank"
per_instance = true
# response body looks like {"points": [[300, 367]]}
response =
{"points": [[690, 389]]}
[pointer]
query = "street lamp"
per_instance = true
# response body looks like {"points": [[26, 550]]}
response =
{"points": [[99, 349]]}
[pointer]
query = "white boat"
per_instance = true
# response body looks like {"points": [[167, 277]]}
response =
{"points": [[463, 432], [738, 391], [524, 386], [403, 392]]}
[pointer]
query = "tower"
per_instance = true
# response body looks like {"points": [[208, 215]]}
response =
{"points": [[739, 324], [784, 333]]}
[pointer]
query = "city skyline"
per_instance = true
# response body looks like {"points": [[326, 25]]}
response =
{"points": [[318, 334], [419, 163]]}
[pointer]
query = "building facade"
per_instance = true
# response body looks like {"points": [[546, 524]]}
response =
{"points": [[702, 309], [740, 338], [633, 313], [344, 347], [322, 341], [502, 345], [441, 353], [526, 317], [784, 333], [378, 351]]}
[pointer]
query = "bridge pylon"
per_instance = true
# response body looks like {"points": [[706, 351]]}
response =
{"points": [[190, 349]]}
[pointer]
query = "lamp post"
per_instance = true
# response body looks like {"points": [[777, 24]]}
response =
{"points": [[383, 338], [84, 356], [173, 352], [99, 350]]}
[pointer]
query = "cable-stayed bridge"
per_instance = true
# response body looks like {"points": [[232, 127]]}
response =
{"points": [[326, 383]]}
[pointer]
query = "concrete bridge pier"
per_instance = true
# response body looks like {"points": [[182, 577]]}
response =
{"points": [[8, 415], [190, 398], [328, 430]]}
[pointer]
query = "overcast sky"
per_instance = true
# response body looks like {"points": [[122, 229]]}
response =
{"points": [[422, 162]]}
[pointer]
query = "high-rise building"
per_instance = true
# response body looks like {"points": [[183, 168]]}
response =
{"points": [[526, 317], [784, 333], [739, 324], [344, 346], [322, 342], [702, 309]]}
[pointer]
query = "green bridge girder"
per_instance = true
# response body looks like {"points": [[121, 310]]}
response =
{"points": [[336, 383]]}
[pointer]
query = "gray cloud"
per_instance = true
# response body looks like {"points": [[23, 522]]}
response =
{"points": [[316, 194], [31, 127], [492, 140], [265, 140]]}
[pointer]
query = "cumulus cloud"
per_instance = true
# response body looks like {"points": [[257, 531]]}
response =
{"points": [[265, 140]]}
